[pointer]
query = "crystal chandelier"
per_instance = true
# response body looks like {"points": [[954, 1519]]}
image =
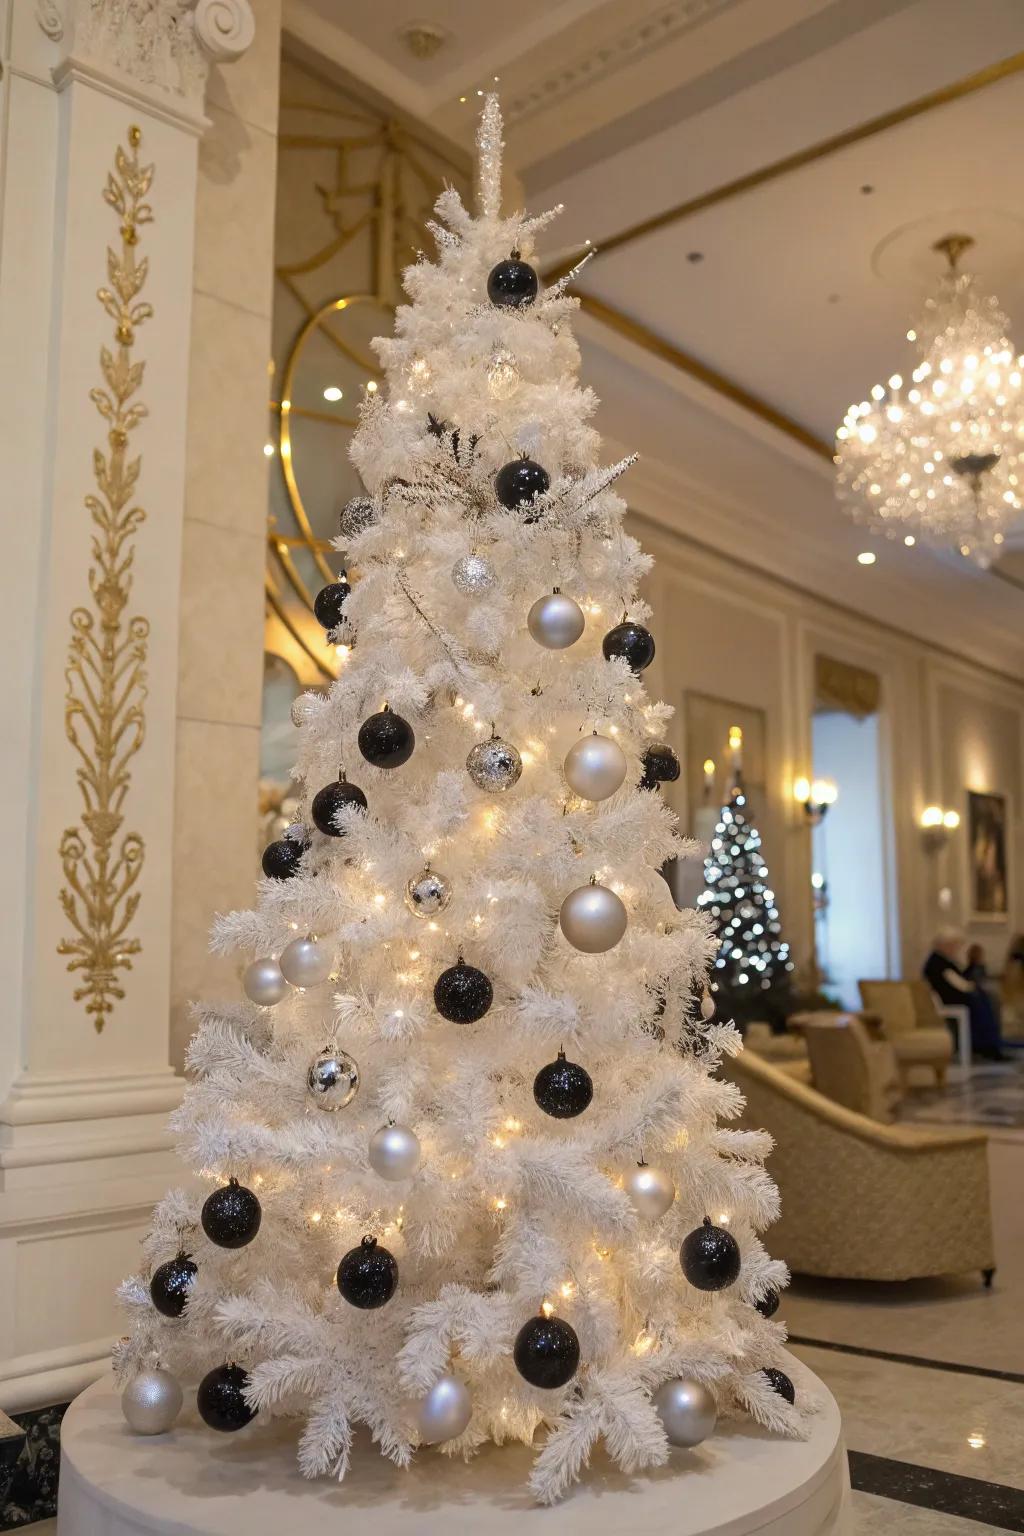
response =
{"points": [[942, 459]]}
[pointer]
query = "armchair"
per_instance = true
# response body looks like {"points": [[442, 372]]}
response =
{"points": [[915, 1044]]}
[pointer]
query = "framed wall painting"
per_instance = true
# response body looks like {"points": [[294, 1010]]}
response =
{"points": [[987, 856]]}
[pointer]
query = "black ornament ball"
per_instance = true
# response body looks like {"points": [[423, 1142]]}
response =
{"points": [[231, 1216], [368, 1275], [327, 802], [632, 642], [462, 994], [171, 1284], [710, 1257], [512, 284], [768, 1304], [781, 1383], [519, 481], [563, 1088], [546, 1352], [329, 603], [281, 859], [220, 1400], [661, 766], [386, 740]]}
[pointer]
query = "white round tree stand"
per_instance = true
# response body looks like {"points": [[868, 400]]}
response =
{"points": [[194, 1482]]}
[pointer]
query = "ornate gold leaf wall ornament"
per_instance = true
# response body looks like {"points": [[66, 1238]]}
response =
{"points": [[104, 714]]}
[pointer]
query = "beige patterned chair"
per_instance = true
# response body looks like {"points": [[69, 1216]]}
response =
{"points": [[864, 1201], [852, 1062], [915, 1044]]}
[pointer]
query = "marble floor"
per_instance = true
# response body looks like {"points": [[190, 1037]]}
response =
{"points": [[930, 1376]]}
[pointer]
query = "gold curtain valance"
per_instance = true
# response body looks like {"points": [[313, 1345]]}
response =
{"points": [[838, 685]]}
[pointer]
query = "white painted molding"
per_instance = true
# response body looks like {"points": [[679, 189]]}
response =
{"points": [[49, 1097], [49, 17], [224, 28], [54, 1376]]}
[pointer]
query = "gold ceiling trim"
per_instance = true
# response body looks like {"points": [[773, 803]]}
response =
{"points": [[104, 716]]}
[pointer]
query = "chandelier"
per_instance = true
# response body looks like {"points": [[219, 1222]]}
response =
{"points": [[942, 458]]}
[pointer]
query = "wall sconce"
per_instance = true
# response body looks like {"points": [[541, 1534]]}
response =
{"points": [[936, 825], [815, 797]]}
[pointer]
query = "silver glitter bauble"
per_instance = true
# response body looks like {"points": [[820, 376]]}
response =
{"points": [[358, 514], [473, 575], [394, 1152], [592, 918], [503, 374], [687, 1410], [650, 1190], [428, 893], [445, 1412], [307, 962], [707, 1007], [494, 764], [151, 1402], [595, 767], [333, 1078], [555, 621], [263, 982]]}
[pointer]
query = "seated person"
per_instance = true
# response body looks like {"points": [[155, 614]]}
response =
{"points": [[1013, 980], [955, 986]]}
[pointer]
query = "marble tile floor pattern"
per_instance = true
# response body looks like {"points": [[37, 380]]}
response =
{"points": [[990, 1094]]}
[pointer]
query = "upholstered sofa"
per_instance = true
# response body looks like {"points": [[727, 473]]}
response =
{"points": [[865, 1201]]}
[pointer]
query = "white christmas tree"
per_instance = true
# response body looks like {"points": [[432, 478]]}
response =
{"points": [[466, 1177]]}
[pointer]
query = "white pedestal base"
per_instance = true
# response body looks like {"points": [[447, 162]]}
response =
{"points": [[193, 1482]]}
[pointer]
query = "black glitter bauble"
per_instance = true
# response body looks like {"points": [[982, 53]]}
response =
{"points": [[563, 1088], [781, 1383], [329, 603], [512, 284], [327, 802], [386, 740], [462, 994], [519, 481], [281, 859], [768, 1305], [171, 1285], [710, 1257], [546, 1352], [231, 1216], [632, 642], [661, 766], [368, 1275], [220, 1400]]}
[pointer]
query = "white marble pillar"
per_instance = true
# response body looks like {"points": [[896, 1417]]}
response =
{"points": [[103, 112]]}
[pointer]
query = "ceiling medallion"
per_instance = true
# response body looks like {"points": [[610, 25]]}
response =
{"points": [[944, 458], [424, 38]]}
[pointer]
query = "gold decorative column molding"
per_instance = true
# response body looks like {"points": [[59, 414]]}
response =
{"points": [[104, 714]]}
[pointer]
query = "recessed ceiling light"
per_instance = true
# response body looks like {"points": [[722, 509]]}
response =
{"points": [[268, 449], [332, 392], [866, 557], [910, 541]]}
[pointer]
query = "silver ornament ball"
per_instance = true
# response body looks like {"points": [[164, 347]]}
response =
{"points": [[445, 1412], [650, 1190], [687, 1410], [595, 767], [307, 962], [333, 1078], [394, 1153], [428, 893], [707, 1007], [494, 764], [358, 514], [472, 575], [503, 374], [264, 983], [555, 621], [593, 919], [151, 1402]]}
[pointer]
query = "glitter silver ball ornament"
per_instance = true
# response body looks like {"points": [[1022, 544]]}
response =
{"points": [[151, 1402], [650, 1190], [356, 516], [494, 764], [428, 893], [687, 1410], [333, 1078], [394, 1153], [445, 1412], [263, 982], [595, 767], [592, 918], [473, 575], [707, 1007], [307, 962], [503, 374], [555, 621]]}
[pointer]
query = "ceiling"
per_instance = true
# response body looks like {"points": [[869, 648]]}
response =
{"points": [[801, 287]]}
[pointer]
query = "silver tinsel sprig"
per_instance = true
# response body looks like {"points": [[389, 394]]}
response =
{"points": [[489, 146]]}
